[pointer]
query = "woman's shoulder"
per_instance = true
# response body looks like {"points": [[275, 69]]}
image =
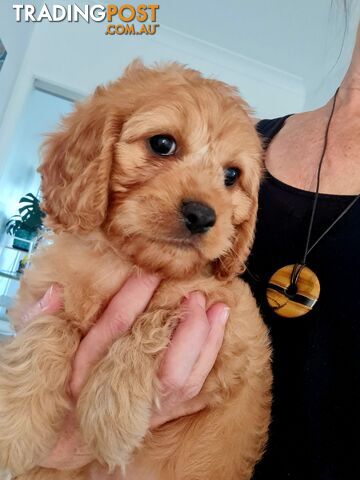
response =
{"points": [[268, 128], [293, 123]]}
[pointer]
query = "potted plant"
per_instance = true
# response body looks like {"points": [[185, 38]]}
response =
{"points": [[27, 223]]}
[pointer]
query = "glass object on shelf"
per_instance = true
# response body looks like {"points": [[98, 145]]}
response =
{"points": [[23, 240], [13, 260]]}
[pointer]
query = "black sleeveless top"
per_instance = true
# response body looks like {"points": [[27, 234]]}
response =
{"points": [[315, 430]]}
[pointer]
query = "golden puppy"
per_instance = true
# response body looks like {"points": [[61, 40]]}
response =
{"points": [[159, 171]]}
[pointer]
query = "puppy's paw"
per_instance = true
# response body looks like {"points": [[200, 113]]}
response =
{"points": [[114, 407], [34, 370]]}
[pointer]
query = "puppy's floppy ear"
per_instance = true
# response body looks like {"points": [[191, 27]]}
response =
{"points": [[233, 262], [76, 167]]}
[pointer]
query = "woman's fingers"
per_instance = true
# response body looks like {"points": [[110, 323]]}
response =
{"points": [[51, 302], [176, 411], [124, 308], [186, 344], [217, 316], [189, 359], [192, 352]]}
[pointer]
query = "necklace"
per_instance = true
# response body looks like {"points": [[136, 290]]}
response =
{"points": [[293, 290]]}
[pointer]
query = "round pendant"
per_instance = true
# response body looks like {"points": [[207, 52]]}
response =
{"points": [[293, 298]]}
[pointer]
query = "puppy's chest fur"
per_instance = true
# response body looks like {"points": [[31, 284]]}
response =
{"points": [[91, 274]]}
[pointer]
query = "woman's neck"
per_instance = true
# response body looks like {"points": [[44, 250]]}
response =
{"points": [[349, 91], [347, 102]]}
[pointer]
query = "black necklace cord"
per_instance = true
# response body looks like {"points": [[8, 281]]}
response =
{"points": [[299, 266], [318, 181], [352, 203]]}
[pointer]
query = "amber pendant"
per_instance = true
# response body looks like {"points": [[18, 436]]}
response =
{"points": [[293, 291]]}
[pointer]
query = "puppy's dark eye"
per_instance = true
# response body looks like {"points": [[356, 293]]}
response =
{"points": [[231, 175], [162, 144]]}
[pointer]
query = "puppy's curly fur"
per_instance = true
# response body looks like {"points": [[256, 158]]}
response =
{"points": [[114, 205]]}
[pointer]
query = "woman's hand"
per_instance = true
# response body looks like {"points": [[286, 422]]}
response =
{"points": [[185, 366], [190, 357]]}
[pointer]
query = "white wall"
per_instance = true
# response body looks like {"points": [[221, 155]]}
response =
{"points": [[79, 56], [16, 39], [302, 37], [40, 115]]}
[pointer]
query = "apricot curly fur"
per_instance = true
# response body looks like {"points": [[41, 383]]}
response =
{"points": [[114, 207]]}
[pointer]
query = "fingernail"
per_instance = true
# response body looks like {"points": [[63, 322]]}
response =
{"points": [[224, 315], [49, 294], [44, 302]]}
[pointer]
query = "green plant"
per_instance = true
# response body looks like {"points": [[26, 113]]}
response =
{"points": [[29, 219]]}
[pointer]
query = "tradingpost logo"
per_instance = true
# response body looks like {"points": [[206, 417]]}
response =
{"points": [[122, 19]]}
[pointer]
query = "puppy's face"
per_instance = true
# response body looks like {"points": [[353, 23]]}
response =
{"points": [[166, 164]]}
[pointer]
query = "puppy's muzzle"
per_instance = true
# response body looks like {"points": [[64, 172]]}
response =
{"points": [[198, 218]]}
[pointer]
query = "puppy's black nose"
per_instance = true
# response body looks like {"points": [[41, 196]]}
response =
{"points": [[198, 217]]}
